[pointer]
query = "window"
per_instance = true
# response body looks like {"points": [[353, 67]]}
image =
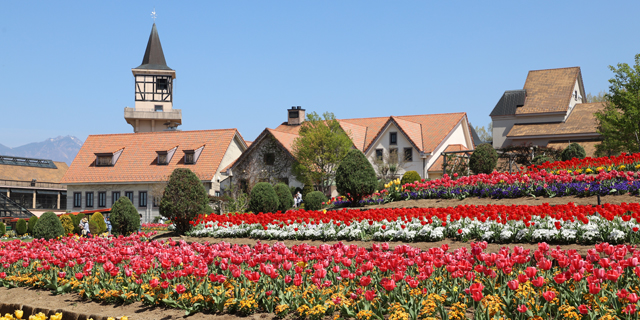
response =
{"points": [[162, 158], [162, 84], [102, 199], [129, 194], [189, 157], [142, 198], [393, 138], [217, 193], [243, 185], [379, 154], [88, 199], [269, 159], [159, 108], [156, 201], [115, 195], [408, 154], [103, 160], [393, 155], [77, 199]]}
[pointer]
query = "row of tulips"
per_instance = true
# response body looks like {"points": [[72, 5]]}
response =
{"points": [[19, 314], [340, 280], [147, 227], [493, 223], [588, 165]]}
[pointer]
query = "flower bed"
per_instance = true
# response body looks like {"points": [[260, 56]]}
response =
{"points": [[622, 162], [148, 227], [494, 223], [348, 281]]}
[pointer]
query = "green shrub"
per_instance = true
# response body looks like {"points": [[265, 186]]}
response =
{"points": [[308, 188], [21, 227], [184, 198], [540, 159], [98, 218], [124, 217], [76, 218], [483, 159], [410, 177], [355, 177], [48, 227], [285, 199], [3, 229], [32, 223], [67, 223], [573, 150], [314, 200], [263, 198], [94, 228]]}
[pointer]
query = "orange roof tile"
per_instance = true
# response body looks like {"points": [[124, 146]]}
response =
{"points": [[137, 163], [285, 138], [549, 90], [580, 121], [357, 133], [437, 165]]}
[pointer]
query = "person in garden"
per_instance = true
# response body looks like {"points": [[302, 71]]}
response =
{"points": [[140, 227], [298, 199], [84, 227], [107, 221]]}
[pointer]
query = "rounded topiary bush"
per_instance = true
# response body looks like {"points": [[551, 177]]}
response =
{"points": [[32, 223], [285, 199], [67, 223], [94, 228], [573, 150], [21, 227], [355, 177], [483, 159], [48, 227], [124, 217], [3, 229], [263, 198], [314, 200], [540, 159], [184, 198], [98, 218], [410, 177]]}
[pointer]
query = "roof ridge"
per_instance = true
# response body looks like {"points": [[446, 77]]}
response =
{"points": [[555, 69], [160, 132], [410, 115]]}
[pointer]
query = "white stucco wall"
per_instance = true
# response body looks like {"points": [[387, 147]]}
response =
{"points": [[459, 135], [233, 152], [503, 124]]}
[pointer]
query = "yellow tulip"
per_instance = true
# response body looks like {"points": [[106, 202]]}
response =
{"points": [[19, 314]]}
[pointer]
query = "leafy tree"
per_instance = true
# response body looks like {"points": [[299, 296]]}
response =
{"points": [[48, 227], [573, 150], [32, 223], [98, 218], [263, 198], [3, 229], [21, 227], [306, 190], [483, 159], [124, 217], [619, 122], [410, 177], [319, 149], [600, 97], [355, 177], [184, 198], [67, 223], [314, 200], [285, 199], [485, 135]]}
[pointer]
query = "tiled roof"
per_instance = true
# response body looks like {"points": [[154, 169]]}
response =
{"points": [[25, 173], [509, 103], [426, 131], [285, 138], [581, 120], [138, 161], [589, 146], [549, 90], [437, 165]]}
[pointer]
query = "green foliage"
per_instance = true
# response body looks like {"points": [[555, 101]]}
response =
{"points": [[314, 200], [98, 218], [410, 177], [540, 159], [319, 149], [263, 198], [308, 188], [76, 218], [619, 122], [355, 177], [184, 198], [67, 223], [32, 223], [48, 227], [94, 228], [573, 150], [124, 217], [3, 229], [485, 135], [483, 159], [21, 227], [285, 199]]}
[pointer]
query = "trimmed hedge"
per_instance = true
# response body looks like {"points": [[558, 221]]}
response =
{"points": [[483, 159], [3, 229], [573, 150], [410, 177], [98, 218], [263, 198], [21, 227], [32, 224], [76, 218], [48, 227], [355, 177], [67, 223], [285, 199], [314, 200], [184, 198], [124, 217]]}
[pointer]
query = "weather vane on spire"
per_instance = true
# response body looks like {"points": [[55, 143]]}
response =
{"points": [[154, 15]]}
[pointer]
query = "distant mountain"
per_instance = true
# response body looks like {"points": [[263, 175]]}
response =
{"points": [[57, 149]]}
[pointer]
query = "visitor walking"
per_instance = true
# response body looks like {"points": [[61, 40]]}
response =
{"points": [[84, 227], [107, 221], [298, 199]]}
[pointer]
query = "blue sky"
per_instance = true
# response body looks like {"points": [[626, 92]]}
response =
{"points": [[66, 66]]}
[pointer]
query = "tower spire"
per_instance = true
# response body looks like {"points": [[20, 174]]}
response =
{"points": [[153, 56]]}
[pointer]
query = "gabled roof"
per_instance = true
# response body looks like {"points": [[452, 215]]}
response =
{"points": [[437, 165], [285, 139], [138, 161], [581, 121], [549, 90], [28, 173], [153, 56], [510, 101]]}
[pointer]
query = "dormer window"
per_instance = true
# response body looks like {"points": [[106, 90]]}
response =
{"points": [[164, 157], [107, 159], [191, 155]]}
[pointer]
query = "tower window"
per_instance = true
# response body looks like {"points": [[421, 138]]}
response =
{"points": [[159, 108], [162, 84]]}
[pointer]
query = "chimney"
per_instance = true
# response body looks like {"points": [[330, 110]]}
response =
{"points": [[295, 116]]}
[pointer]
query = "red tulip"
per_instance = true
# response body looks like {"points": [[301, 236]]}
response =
{"points": [[513, 284], [549, 295], [522, 308], [365, 281], [583, 309], [369, 295], [180, 289]]}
